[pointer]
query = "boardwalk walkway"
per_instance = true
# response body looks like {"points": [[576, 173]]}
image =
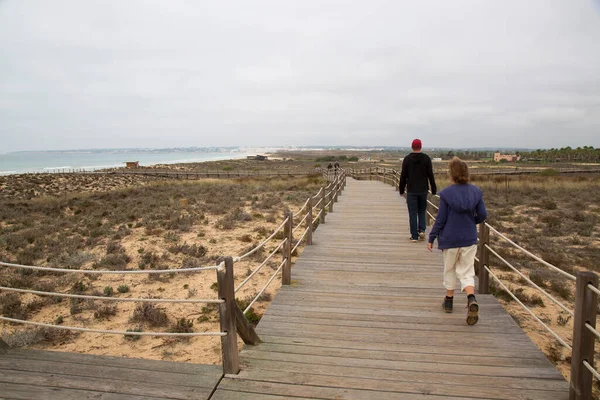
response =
{"points": [[362, 320]]}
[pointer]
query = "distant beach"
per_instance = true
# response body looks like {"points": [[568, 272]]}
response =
{"points": [[64, 161]]}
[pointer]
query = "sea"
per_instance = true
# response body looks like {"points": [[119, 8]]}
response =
{"points": [[81, 160]]}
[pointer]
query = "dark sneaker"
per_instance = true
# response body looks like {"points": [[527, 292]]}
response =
{"points": [[447, 305], [473, 311], [413, 240], [421, 235]]}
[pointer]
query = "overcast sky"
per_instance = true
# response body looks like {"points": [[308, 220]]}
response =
{"points": [[126, 73]]}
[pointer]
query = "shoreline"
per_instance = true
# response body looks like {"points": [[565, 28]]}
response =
{"points": [[64, 165]]}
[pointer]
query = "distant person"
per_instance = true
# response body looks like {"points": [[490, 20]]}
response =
{"points": [[461, 209], [336, 166], [416, 176]]}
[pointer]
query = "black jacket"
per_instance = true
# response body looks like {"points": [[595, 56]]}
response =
{"points": [[416, 171]]}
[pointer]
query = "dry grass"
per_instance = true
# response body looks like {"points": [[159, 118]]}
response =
{"points": [[151, 224]]}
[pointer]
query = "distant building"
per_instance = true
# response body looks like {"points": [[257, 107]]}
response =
{"points": [[508, 157], [437, 159], [132, 164], [258, 158]]}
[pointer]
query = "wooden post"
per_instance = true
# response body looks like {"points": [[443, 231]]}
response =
{"points": [[229, 347], [330, 198], [323, 202], [309, 222], [586, 302], [337, 190], [244, 328], [484, 259], [286, 249], [428, 217]]}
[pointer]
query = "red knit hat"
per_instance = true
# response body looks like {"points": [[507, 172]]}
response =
{"points": [[416, 144]]}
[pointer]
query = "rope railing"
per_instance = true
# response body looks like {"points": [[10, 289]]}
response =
{"points": [[300, 239], [109, 272], [265, 287], [530, 254], [592, 370], [111, 332], [243, 283], [593, 289], [302, 208], [254, 250], [299, 224], [548, 295], [546, 327], [108, 298]]}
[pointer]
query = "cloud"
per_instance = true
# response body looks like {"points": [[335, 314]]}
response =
{"points": [[181, 73]]}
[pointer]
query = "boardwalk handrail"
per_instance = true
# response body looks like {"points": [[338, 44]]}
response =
{"points": [[586, 293]]}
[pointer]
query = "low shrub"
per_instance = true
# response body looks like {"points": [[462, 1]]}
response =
{"points": [[149, 313]]}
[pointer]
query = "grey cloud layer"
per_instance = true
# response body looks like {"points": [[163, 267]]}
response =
{"points": [[180, 73]]}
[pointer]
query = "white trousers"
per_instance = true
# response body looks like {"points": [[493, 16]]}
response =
{"points": [[459, 264]]}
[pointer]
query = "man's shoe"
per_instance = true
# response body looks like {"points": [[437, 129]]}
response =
{"points": [[473, 311], [413, 240], [447, 305], [421, 235]]}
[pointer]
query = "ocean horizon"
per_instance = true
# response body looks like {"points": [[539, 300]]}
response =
{"points": [[64, 161]]}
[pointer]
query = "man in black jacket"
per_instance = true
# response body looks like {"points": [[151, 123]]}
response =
{"points": [[416, 176]]}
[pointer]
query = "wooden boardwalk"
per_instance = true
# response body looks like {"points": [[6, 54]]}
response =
{"points": [[363, 320]]}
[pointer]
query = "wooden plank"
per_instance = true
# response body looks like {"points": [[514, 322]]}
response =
{"points": [[148, 389], [29, 392], [85, 360], [384, 346], [399, 386], [100, 371], [318, 392], [536, 372], [438, 357]]}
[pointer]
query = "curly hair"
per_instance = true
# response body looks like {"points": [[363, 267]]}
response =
{"points": [[459, 171]]}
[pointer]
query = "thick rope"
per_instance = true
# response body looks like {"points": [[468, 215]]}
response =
{"points": [[301, 239], [241, 285], [593, 289], [302, 209], [77, 329], [108, 272], [592, 329], [560, 340], [133, 300], [591, 369], [300, 223], [254, 250], [558, 303], [265, 287], [572, 277]]}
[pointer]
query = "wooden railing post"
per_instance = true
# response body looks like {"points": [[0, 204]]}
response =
{"points": [[586, 302], [286, 274], [309, 222], [484, 259], [336, 189], [330, 198], [323, 203], [229, 346]]}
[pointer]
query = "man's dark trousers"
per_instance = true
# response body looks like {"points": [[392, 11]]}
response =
{"points": [[417, 207]]}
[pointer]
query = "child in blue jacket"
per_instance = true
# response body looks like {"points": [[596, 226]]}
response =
{"points": [[461, 209]]}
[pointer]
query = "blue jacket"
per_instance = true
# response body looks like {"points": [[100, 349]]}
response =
{"points": [[461, 209]]}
